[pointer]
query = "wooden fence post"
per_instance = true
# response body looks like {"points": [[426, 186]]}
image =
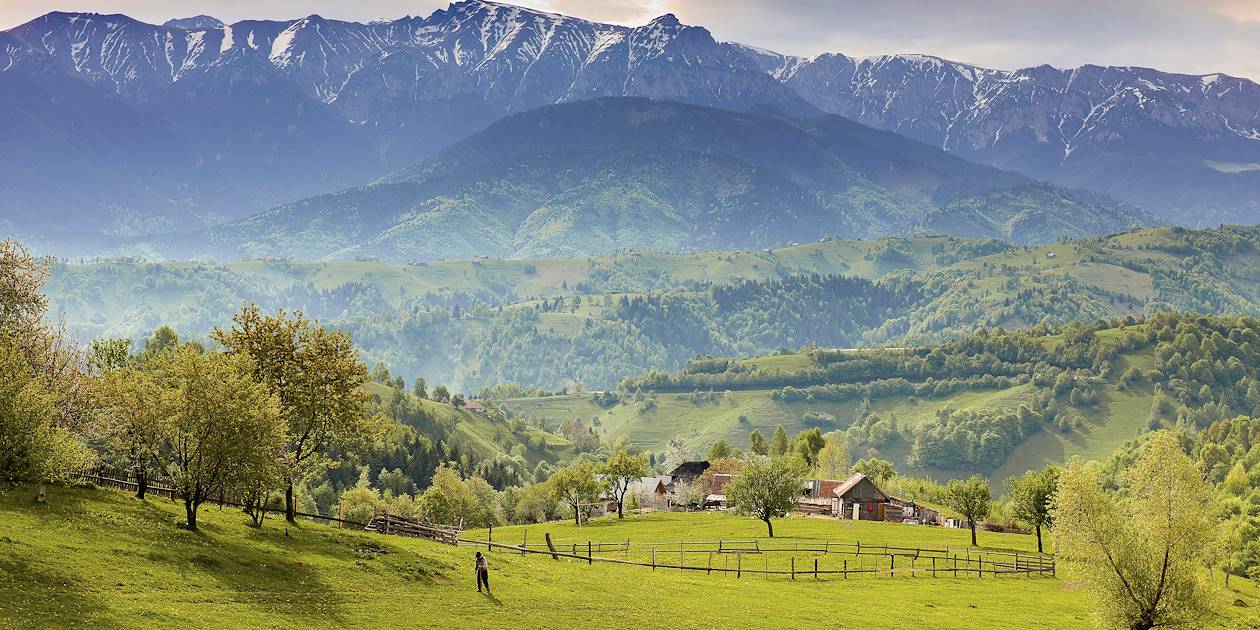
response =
{"points": [[892, 563], [846, 569], [710, 570], [524, 540], [589, 559], [653, 557], [793, 567], [550, 546], [815, 568], [739, 565]]}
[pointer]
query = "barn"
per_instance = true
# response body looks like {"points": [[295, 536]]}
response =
{"points": [[859, 498]]}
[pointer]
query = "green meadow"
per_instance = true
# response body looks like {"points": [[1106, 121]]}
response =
{"points": [[101, 559]]}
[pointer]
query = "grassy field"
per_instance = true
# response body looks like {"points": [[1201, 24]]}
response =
{"points": [[100, 559]]}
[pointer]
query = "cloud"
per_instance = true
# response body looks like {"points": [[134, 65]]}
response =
{"points": [[1191, 36], [1175, 35]]}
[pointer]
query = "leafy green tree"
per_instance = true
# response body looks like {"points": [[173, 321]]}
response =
{"points": [[32, 447], [1031, 497], [225, 430], [318, 377], [134, 409], [833, 460], [970, 498], [766, 489], [877, 470], [164, 340], [779, 443], [109, 354], [575, 486], [808, 444], [721, 449], [441, 394], [757, 443], [1140, 558], [419, 388], [447, 500], [619, 472]]}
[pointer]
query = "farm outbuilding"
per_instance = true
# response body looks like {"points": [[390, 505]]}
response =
{"points": [[859, 498], [686, 472]]}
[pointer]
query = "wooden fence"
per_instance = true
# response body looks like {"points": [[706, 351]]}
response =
{"points": [[805, 558], [158, 489], [387, 523]]}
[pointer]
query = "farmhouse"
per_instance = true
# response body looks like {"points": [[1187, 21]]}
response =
{"points": [[859, 498], [475, 407], [650, 492]]}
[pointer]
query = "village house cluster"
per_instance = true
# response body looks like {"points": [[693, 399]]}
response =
{"points": [[855, 498]]}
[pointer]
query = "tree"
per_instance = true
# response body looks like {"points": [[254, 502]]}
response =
{"points": [[225, 431], [1140, 558], [971, 499], [575, 486], [757, 443], [721, 449], [1032, 496], [48, 352], [676, 452], [32, 447], [457, 401], [134, 409], [109, 354], [877, 470], [419, 388], [779, 443], [451, 499], [318, 377], [619, 472], [766, 489], [164, 340], [808, 444], [441, 394], [833, 460]]}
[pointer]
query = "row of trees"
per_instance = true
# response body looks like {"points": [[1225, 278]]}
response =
{"points": [[247, 417]]}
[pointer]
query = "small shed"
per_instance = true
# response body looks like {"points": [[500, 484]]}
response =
{"points": [[859, 498]]}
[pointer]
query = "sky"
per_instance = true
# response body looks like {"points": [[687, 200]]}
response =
{"points": [[1189, 36]]}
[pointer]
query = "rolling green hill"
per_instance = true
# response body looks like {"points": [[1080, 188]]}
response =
{"points": [[997, 403], [480, 322]]}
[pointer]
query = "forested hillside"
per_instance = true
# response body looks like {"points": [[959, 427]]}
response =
{"points": [[593, 321], [997, 402]]}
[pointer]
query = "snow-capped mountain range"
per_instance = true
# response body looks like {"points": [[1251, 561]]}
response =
{"points": [[120, 127]]}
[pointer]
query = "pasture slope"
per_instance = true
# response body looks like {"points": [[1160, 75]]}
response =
{"points": [[1119, 414], [101, 559]]}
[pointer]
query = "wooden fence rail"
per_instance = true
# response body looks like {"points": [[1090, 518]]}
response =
{"points": [[173, 494], [933, 565]]}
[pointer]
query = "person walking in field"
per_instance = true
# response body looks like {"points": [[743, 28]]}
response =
{"points": [[483, 573]]}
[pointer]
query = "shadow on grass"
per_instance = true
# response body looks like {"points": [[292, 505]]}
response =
{"points": [[276, 583], [36, 595]]}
